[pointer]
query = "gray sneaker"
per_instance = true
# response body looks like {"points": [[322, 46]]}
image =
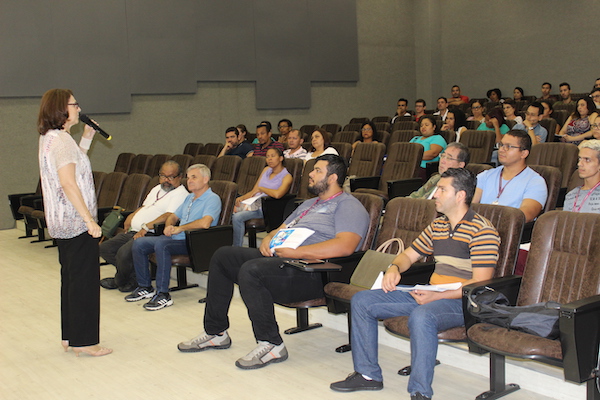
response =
{"points": [[264, 354], [205, 341], [141, 293]]}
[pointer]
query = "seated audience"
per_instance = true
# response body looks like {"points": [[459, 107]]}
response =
{"points": [[419, 109], [321, 145], [339, 222], [509, 108], [531, 125], [284, 126], [586, 198], [159, 204], [465, 246], [494, 121], [597, 83], [269, 130], [547, 114], [457, 99], [242, 132], [476, 111], [595, 96], [518, 94], [456, 155], [234, 146], [455, 121], [368, 134], [274, 181], [200, 210], [401, 110], [265, 142], [546, 88], [565, 95], [442, 108], [433, 144], [495, 95], [526, 188], [577, 126], [294, 143]]}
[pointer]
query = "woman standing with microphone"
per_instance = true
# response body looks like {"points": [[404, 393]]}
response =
{"points": [[70, 210]]}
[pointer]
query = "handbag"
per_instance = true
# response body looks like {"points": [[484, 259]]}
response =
{"points": [[373, 262], [491, 306], [112, 222]]}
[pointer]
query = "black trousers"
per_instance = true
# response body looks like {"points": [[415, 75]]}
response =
{"points": [[80, 290], [263, 281], [117, 251]]}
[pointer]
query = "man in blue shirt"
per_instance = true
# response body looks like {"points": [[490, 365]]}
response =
{"points": [[531, 125], [200, 210]]}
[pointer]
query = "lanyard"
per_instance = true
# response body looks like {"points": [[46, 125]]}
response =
{"points": [[297, 219], [501, 188], [577, 209]]}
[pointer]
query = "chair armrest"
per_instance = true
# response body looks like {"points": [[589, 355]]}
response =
{"points": [[275, 211], [527, 231], [579, 324], [403, 187], [14, 201], [418, 273], [203, 243], [365, 182]]}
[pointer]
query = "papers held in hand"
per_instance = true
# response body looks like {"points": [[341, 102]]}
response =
{"points": [[290, 238], [432, 288]]}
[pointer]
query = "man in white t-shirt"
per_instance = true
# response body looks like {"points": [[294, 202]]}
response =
{"points": [[162, 200]]}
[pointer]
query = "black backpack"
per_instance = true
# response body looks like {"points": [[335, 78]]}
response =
{"points": [[488, 305]]}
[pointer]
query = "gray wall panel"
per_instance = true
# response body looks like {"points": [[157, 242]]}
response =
{"points": [[282, 54], [162, 46]]}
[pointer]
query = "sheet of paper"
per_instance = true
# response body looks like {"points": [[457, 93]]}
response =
{"points": [[290, 237], [252, 199]]}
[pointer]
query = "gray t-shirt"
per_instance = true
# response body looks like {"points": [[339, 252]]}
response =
{"points": [[591, 205], [343, 213]]}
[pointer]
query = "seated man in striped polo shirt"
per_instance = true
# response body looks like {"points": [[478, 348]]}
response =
{"points": [[465, 246]]}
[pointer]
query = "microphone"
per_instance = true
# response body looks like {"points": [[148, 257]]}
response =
{"points": [[86, 120]]}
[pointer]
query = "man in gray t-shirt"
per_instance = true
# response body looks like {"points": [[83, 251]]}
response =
{"points": [[586, 198], [339, 222]]}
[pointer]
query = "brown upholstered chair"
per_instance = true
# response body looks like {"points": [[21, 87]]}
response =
{"points": [[211, 149], [344, 149], [367, 159], [478, 168], [358, 120], [472, 125], [399, 176], [206, 159], [383, 126], [184, 161], [123, 162], [331, 128], [563, 265], [553, 178], [352, 127], [384, 137], [402, 135], [346, 136], [480, 144], [139, 164], [249, 173], [574, 181], [381, 118], [405, 125], [202, 243], [226, 168], [550, 125], [155, 163], [374, 205], [509, 222], [404, 218], [303, 192], [449, 136], [563, 156], [111, 189], [309, 129], [98, 180], [155, 180], [132, 195], [22, 205], [193, 149]]}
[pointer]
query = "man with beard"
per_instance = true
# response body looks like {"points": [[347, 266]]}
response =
{"points": [[339, 222], [162, 200]]}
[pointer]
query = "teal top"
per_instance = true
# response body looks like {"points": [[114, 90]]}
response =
{"points": [[427, 142]]}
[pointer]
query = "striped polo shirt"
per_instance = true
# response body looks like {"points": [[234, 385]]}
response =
{"points": [[473, 243]]}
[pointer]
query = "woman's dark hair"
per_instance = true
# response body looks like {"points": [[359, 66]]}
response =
{"points": [[520, 89], [326, 138], [498, 114], [460, 119], [54, 110], [431, 119], [511, 103], [279, 154], [495, 90], [590, 106], [375, 133], [242, 128]]}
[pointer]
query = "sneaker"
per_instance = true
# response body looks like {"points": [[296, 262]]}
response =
{"points": [[160, 300], [140, 293], [354, 382], [264, 354], [205, 341]]}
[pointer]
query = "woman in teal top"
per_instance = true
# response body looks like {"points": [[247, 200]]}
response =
{"points": [[433, 144], [494, 121]]}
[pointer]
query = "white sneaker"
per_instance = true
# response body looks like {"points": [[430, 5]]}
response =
{"points": [[265, 353], [205, 341]]}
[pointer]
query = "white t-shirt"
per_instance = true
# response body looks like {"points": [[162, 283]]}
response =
{"points": [[329, 150], [157, 203]]}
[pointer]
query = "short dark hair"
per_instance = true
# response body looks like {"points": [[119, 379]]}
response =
{"points": [[287, 121], [231, 129], [421, 101], [462, 179], [54, 110], [464, 155], [539, 106], [565, 84], [267, 124], [510, 102], [524, 138], [267, 127], [242, 128], [549, 103], [520, 89], [335, 165], [495, 90], [431, 118], [442, 97], [455, 86], [547, 83]]}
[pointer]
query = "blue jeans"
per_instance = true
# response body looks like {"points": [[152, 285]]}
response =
{"points": [[424, 322], [163, 247], [238, 221]]}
